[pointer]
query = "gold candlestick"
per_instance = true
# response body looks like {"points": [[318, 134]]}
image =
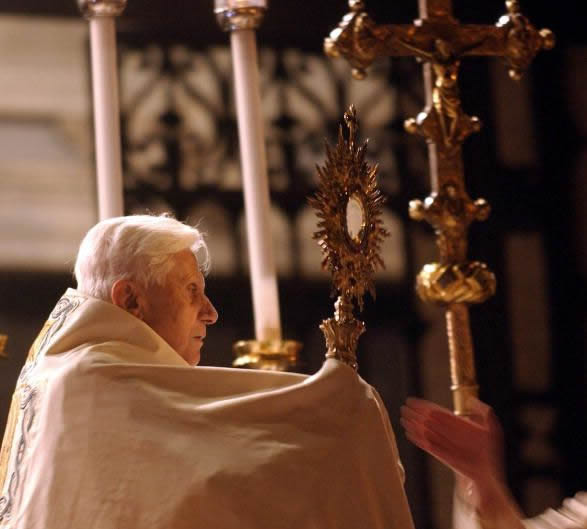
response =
{"points": [[268, 355]]}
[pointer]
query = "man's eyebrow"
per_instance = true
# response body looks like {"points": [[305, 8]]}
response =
{"points": [[192, 278]]}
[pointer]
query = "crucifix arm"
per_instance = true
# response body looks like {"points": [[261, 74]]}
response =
{"points": [[361, 41]]}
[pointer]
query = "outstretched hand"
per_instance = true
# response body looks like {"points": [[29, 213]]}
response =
{"points": [[471, 446]]}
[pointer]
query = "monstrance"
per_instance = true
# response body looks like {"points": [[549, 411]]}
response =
{"points": [[348, 204]]}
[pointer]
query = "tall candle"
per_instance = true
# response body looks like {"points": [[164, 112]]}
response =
{"points": [[255, 185], [106, 117]]}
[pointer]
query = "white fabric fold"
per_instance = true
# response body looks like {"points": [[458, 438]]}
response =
{"points": [[114, 430]]}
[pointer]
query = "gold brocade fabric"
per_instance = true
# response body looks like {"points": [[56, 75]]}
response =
{"points": [[21, 406], [112, 429]]}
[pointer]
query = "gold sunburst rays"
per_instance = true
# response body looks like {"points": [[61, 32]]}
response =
{"points": [[347, 180]]}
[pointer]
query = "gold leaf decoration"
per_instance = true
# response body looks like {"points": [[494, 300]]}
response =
{"points": [[351, 259]]}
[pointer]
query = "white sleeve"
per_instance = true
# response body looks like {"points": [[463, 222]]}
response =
{"points": [[504, 515], [572, 515], [463, 517]]}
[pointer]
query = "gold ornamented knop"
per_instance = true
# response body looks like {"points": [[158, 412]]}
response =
{"points": [[101, 8], [450, 211], [240, 17], [342, 333], [268, 355], [357, 39], [523, 40], [348, 204], [470, 282]]}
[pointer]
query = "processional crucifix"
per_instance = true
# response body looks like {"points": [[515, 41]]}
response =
{"points": [[440, 41]]}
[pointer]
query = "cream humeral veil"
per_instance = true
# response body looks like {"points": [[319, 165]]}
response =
{"points": [[110, 428]]}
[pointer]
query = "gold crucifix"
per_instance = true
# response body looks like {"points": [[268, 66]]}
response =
{"points": [[440, 42]]}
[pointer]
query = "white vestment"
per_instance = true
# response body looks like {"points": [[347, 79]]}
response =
{"points": [[110, 428], [571, 515]]}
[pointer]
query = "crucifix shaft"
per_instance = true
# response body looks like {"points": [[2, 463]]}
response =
{"points": [[3, 339], [440, 42]]}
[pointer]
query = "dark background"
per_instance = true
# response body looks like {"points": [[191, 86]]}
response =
{"points": [[543, 198]]}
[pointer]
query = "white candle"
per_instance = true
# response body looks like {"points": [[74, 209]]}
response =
{"points": [[255, 185], [106, 117]]}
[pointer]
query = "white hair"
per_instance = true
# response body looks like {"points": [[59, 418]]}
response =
{"points": [[137, 247]]}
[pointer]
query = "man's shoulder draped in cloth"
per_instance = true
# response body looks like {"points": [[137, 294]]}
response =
{"points": [[110, 428]]}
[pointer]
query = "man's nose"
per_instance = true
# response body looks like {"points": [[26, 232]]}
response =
{"points": [[209, 314]]}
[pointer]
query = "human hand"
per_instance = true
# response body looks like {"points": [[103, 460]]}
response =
{"points": [[471, 446]]}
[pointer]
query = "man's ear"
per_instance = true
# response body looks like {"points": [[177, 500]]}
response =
{"points": [[127, 295]]}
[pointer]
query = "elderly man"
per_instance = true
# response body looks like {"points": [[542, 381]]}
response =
{"points": [[148, 267], [111, 426]]}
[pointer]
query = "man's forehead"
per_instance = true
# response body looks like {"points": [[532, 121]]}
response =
{"points": [[186, 264]]}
